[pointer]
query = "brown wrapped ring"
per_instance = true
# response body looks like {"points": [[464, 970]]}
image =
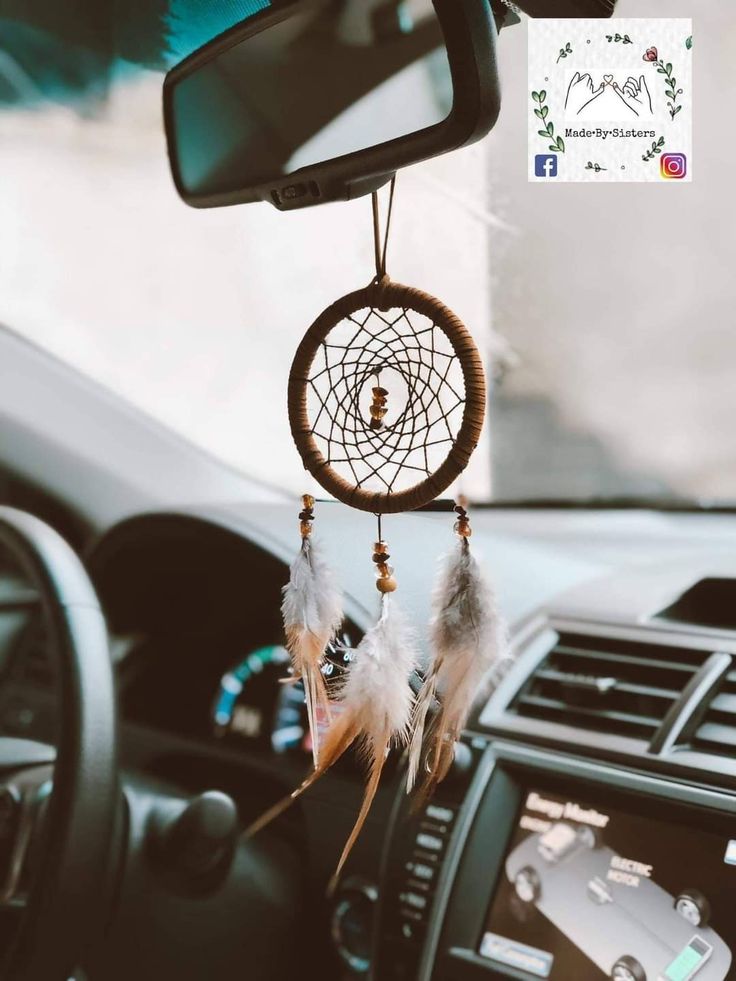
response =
{"points": [[380, 297]]}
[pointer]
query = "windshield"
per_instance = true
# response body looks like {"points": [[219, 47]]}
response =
{"points": [[604, 313]]}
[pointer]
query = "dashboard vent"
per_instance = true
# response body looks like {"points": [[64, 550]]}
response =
{"points": [[609, 685], [717, 730]]}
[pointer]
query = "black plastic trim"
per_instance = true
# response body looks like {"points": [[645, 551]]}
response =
{"points": [[509, 768], [697, 692], [658, 754], [470, 36], [67, 906], [453, 856]]}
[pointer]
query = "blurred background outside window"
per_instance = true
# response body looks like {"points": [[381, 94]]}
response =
{"points": [[605, 313]]}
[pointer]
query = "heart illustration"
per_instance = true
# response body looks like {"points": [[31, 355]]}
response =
{"points": [[608, 79]]}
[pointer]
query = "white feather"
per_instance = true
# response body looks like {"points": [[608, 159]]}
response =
{"points": [[468, 634], [376, 704], [377, 689], [375, 711], [312, 614], [311, 600]]}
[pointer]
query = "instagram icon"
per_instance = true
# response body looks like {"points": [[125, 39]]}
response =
{"points": [[673, 166]]}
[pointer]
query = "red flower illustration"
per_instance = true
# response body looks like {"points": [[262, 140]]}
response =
{"points": [[651, 55]]}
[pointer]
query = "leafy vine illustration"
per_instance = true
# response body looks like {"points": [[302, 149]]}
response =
{"points": [[564, 52], [618, 39], [655, 148], [594, 166], [557, 144], [671, 91]]}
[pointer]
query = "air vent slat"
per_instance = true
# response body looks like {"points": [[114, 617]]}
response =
{"points": [[729, 682], [715, 737], [724, 703], [624, 717], [643, 662], [716, 733], [608, 684], [547, 674]]}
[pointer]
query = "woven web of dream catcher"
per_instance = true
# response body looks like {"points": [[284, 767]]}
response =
{"points": [[411, 358]]}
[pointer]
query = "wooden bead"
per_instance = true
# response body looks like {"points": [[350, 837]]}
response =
{"points": [[381, 557], [308, 501], [378, 409], [386, 585], [381, 548]]}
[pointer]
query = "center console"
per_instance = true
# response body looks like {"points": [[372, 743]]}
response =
{"points": [[530, 864]]}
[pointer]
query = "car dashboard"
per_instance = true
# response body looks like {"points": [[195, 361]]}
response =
{"points": [[587, 827]]}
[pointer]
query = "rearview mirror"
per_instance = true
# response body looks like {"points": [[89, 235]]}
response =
{"points": [[309, 101]]}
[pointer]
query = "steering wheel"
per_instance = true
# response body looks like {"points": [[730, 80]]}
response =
{"points": [[57, 839]]}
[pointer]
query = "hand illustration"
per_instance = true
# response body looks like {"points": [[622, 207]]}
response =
{"points": [[635, 95], [581, 92]]}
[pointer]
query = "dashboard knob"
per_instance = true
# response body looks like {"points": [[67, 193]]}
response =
{"points": [[352, 923], [195, 844]]}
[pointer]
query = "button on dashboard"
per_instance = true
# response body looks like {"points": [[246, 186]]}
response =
{"points": [[414, 900], [436, 813], [421, 871], [409, 912]]}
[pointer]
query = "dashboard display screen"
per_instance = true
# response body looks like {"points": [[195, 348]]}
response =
{"points": [[588, 892]]}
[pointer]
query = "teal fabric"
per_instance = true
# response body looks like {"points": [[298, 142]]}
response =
{"points": [[192, 23], [35, 66]]}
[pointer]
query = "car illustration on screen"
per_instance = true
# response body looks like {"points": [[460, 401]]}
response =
{"points": [[612, 910]]}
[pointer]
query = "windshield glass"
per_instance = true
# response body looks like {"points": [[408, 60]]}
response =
{"points": [[604, 313]]}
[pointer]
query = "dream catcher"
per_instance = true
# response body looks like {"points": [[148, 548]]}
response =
{"points": [[386, 404]]}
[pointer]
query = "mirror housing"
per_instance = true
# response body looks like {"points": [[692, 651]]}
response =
{"points": [[469, 32]]}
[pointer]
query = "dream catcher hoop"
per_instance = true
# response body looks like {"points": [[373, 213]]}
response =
{"points": [[342, 364], [386, 403]]}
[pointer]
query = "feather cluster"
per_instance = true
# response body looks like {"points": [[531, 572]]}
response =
{"points": [[469, 651], [376, 708], [312, 614]]}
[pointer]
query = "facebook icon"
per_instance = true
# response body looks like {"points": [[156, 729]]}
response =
{"points": [[545, 165]]}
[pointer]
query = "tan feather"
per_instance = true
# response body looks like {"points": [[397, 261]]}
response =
{"points": [[469, 648], [307, 658], [424, 702], [375, 709], [376, 752], [312, 614], [337, 740]]}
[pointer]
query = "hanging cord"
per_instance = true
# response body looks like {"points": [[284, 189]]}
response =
{"points": [[381, 248]]}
